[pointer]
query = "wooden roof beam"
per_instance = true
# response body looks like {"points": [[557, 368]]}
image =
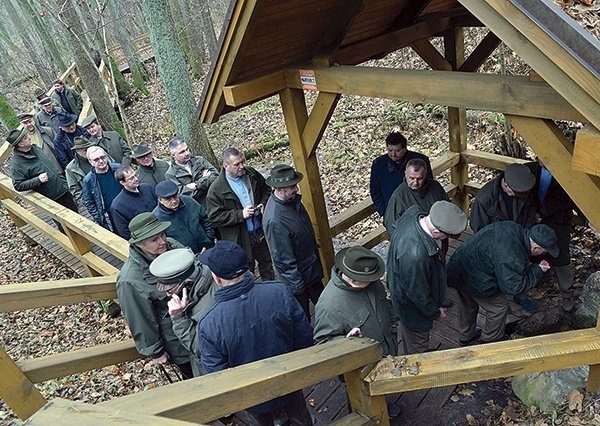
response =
{"points": [[430, 55], [483, 51], [243, 93], [586, 155], [485, 92], [337, 29]]}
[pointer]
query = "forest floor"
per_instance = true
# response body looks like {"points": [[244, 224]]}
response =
{"points": [[354, 137]]}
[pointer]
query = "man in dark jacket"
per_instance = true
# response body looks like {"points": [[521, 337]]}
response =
{"points": [[192, 174], [150, 170], [291, 237], [387, 171], [32, 169], [235, 203], [489, 265], [506, 197], [355, 303], [48, 114], [191, 287], [251, 321], [555, 208], [65, 137], [134, 198], [100, 187], [110, 141], [416, 190], [144, 307], [41, 136], [190, 224], [68, 98], [417, 269]]}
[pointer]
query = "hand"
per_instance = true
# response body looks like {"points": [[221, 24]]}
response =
{"points": [[261, 207], [205, 173], [163, 359], [191, 185], [442, 313], [43, 177], [177, 305], [248, 212], [538, 218], [544, 265], [355, 332]]}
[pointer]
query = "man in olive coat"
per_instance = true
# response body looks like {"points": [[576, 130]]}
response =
{"points": [[493, 263], [417, 269], [355, 303], [41, 136], [67, 98], [235, 203], [144, 307], [110, 141], [150, 170]]}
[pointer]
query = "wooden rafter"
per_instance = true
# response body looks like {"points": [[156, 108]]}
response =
{"points": [[481, 53]]}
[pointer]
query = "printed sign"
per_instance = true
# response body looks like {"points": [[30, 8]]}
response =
{"points": [[308, 80]]}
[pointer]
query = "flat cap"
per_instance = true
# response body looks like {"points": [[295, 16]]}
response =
{"points": [[519, 178], [173, 267], [448, 218]]}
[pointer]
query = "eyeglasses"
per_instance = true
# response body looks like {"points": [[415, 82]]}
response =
{"points": [[101, 158]]}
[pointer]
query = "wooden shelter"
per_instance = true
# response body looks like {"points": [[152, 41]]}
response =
{"points": [[288, 47]]}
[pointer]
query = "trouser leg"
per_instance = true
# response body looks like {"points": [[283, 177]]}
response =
{"points": [[260, 252], [564, 274], [296, 410], [414, 342], [467, 316], [302, 298], [496, 311], [260, 419]]}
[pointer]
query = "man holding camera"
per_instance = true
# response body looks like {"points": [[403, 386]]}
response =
{"points": [[235, 203]]}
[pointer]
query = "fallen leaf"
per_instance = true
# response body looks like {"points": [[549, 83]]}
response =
{"points": [[575, 399]]}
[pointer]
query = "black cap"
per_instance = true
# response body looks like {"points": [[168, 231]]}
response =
{"points": [[226, 260]]}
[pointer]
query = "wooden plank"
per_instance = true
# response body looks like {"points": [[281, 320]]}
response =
{"points": [[472, 187], [64, 364], [16, 390], [487, 159], [490, 361], [487, 92], [555, 150], [351, 216], [369, 405], [18, 297], [72, 413], [318, 120], [373, 238], [483, 50], [557, 66], [214, 395], [355, 419], [430, 55], [443, 162], [586, 155], [261, 87]]}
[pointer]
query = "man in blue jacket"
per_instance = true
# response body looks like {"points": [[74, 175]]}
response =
{"points": [[251, 321], [387, 171]]}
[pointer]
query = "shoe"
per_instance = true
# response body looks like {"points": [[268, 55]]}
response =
{"points": [[393, 410], [447, 303], [527, 304], [112, 308], [568, 304], [473, 340]]}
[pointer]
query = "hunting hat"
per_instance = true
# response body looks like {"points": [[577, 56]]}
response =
{"points": [[81, 142], [447, 218], [226, 260], [140, 149], [15, 136], [166, 188], [545, 237], [90, 119], [45, 101], [519, 178], [146, 225], [360, 264], [39, 92], [283, 175], [172, 267], [24, 116], [65, 119]]}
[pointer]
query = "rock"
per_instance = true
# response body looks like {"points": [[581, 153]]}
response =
{"points": [[547, 321], [586, 314], [548, 389]]}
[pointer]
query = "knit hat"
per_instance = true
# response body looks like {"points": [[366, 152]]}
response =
{"points": [[360, 264], [447, 218], [519, 178]]}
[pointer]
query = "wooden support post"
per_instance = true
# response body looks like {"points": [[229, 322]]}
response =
{"points": [[593, 383], [457, 119], [16, 390], [296, 119], [361, 401]]}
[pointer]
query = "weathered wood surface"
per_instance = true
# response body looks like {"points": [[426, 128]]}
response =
{"points": [[586, 154]]}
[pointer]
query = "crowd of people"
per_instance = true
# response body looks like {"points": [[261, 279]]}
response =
{"points": [[197, 234]]}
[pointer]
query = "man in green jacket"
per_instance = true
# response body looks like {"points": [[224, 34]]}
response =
{"points": [[144, 307], [235, 203], [41, 136], [417, 269], [31, 168], [150, 170], [67, 98], [355, 303], [491, 264], [110, 141]]}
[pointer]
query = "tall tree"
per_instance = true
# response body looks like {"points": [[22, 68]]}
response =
{"points": [[8, 118], [208, 28], [175, 79], [92, 80], [195, 46]]}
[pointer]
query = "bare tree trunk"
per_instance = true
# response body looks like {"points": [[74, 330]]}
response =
{"points": [[195, 45], [92, 80], [174, 77], [208, 28]]}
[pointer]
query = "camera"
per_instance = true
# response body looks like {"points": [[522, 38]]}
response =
{"points": [[256, 211]]}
